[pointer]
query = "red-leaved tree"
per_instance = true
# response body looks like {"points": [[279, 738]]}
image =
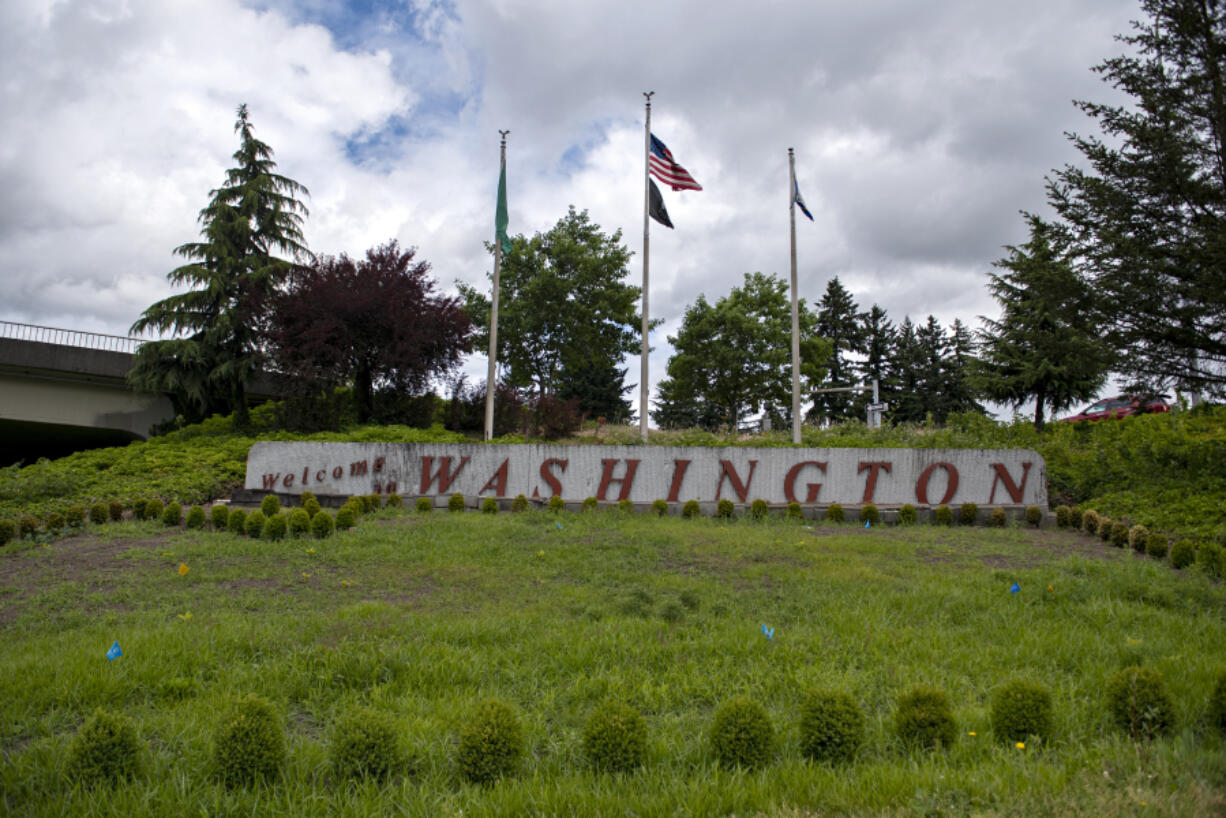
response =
{"points": [[376, 323]]}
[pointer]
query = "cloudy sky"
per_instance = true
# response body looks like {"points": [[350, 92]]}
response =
{"points": [[920, 129]]}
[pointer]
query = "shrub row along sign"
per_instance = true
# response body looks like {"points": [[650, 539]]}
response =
{"points": [[642, 474]]}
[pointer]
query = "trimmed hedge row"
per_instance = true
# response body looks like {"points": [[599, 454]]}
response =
{"points": [[1208, 556]]}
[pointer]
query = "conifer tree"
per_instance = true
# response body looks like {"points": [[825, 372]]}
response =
{"points": [[880, 338], [842, 325]]}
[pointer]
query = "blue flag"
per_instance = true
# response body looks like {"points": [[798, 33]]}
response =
{"points": [[114, 653], [800, 202], [769, 633], [1015, 588]]}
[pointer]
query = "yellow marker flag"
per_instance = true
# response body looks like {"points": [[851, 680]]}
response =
{"points": [[183, 569]]}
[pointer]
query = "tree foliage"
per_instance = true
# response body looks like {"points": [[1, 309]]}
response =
{"points": [[841, 323], [233, 272]]}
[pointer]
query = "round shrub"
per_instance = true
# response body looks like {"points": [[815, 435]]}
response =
{"points": [[1156, 545], [153, 509], [322, 525], [1217, 704], [115, 509], [725, 509], [1183, 554], [831, 726], [557, 505], [299, 522], [794, 512], [741, 734], [98, 513], [1119, 534], [74, 516], [489, 506], [195, 517], [305, 496], [270, 505], [1209, 558], [425, 504], [870, 514], [834, 513], [907, 515], [275, 527], [924, 718], [219, 517], [660, 507], [1138, 538], [1064, 516], [1089, 522], [27, 525], [346, 518], [519, 504], [1104, 528], [138, 508], [105, 749], [1034, 516], [944, 515], [236, 521], [172, 515], [491, 743], [1074, 519], [371, 503], [364, 744], [615, 738], [758, 509], [455, 502], [394, 500], [311, 506], [8, 531], [1021, 708], [250, 740], [1138, 702], [624, 506], [55, 522], [690, 509], [255, 524], [590, 504], [968, 514], [998, 518]]}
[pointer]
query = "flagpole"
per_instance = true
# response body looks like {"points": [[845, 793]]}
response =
{"points": [[490, 382], [795, 305], [646, 222]]}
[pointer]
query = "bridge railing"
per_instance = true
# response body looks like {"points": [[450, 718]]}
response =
{"points": [[68, 337]]}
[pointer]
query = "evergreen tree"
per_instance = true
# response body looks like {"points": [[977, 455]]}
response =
{"points": [[961, 389], [235, 270], [601, 390], [931, 372], [842, 325], [1046, 346], [1149, 213], [908, 404], [880, 340]]}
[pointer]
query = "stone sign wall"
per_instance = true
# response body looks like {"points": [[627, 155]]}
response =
{"points": [[641, 474]]}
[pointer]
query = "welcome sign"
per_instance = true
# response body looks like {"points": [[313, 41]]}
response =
{"points": [[642, 474]]}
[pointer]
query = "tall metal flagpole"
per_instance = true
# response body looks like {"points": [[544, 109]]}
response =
{"points": [[490, 383], [795, 306], [646, 222]]}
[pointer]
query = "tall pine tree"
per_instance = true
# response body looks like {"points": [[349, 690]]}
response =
{"points": [[842, 325]]}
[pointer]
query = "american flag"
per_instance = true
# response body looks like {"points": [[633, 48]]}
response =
{"points": [[665, 168]]}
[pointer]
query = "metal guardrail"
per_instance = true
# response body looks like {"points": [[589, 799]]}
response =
{"points": [[69, 337]]}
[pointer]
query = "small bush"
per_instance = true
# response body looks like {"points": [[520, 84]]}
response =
{"points": [[725, 509], [74, 516], [425, 504], [1138, 538], [455, 502], [519, 504], [1064, 516], [1074, 519], [615, 738], [306, 497], [299, 522], [1183, 554], [115, 509], [236, 521], [153, 509], [8, 531], [275, 527], [219, 517], [195, 517], [27, 525], [968, 514], [1217, 704], [138, 508], [371, 503], [659, 507], [834, 513], [1104, 528], [55, 522], [690, 509], [105, 749], [758, 509], [1089, 522], [491, 743], [250, 740], [346, 518], [364, 744], [924, 718], [255, 524], [98, 514], [1208, 557], [489, 506], [1021, 708], [322, 525], [270, 505], [590, 504], [1138, 702], [1119, 534], [741, 734], [998, 518], [907, 515], [557, 505], [624, 506], [1156, 545], [944, 515], [311, 505], [394, 500], [1034, 516], [794, 512], [870, 514], [831, 726], [172, 515]]}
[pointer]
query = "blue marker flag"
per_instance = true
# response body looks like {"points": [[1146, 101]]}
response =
{"points": [[867, 523], [1015, 588], [559, 525], [114, 653], [769, 633]]}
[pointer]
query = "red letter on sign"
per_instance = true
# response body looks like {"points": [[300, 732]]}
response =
{"points": [[270, 481], [555, 484], [444, 475], [1015, 491], [726, 470], [498, 482], [288, 482], [921, 485], [789, 482], [674, 488], [606, 477], [871, 486]]}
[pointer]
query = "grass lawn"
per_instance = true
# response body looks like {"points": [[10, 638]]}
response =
{"points": [[424, 616]]}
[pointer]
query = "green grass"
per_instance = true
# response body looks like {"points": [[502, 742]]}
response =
{"points": [[425, 616]]}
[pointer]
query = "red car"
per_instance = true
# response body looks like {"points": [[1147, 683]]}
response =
{"points": [[1121, 406]]}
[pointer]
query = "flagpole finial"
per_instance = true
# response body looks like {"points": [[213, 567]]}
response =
{"points": [[503, 134], [649, 95]]}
